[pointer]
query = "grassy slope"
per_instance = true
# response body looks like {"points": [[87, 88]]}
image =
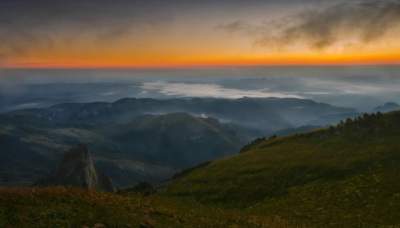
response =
{"points": [[344, 176], [62, 207]]}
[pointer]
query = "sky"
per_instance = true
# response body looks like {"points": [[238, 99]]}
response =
{"points": [[178, 33]]}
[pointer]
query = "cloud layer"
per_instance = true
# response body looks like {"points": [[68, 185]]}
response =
{"points": [[364, 20], [179, 32], [45, 23], [208, 90]]}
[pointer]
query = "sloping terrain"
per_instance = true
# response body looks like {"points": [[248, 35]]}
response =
{"points": [[343, 176], [146, 139], [66, 207], [177, 139], [147, 148]]}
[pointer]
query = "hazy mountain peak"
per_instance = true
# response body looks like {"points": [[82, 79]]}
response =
{"points": [[387, 107]]}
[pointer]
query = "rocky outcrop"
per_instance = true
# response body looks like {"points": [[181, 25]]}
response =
{"points": [[77, 169]]}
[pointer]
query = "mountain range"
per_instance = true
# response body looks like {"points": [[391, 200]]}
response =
{"points": [[146, 139], [148, 148], [265, 114], [340, 176], [387, 107]]}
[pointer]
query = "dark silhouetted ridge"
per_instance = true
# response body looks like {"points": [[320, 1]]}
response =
{"points": [[77, 169]]}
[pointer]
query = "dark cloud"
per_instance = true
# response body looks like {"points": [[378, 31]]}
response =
{"points": [[322, 27], [27, 23], [44, 23], [235, 26]]}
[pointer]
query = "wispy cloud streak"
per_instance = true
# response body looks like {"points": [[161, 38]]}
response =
{"points": [[319, 28]]}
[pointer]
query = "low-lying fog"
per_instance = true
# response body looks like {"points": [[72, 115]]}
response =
{"points": [[357, 87]]}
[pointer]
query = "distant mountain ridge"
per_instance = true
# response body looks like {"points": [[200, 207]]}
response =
{"points": [[265, 114], [178, 138], [147, 148], [387, 107], [147, 139]]}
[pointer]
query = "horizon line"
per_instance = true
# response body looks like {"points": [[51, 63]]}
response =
{"points": [[194, 66]]}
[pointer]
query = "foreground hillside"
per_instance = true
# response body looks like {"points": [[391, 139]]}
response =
{"points": [[66, 207], [342, 176]]}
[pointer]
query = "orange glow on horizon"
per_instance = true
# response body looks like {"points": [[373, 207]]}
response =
{"points": [[202, 37], [216, 62], [187, 49]]}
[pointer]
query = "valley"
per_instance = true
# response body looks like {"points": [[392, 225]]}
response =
{"points": [[328, 177], [137, 140]]}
